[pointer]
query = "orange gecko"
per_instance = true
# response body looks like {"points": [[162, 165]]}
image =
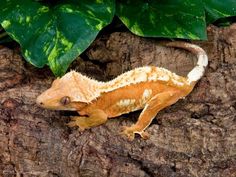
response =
{"points": [[149, 88]]}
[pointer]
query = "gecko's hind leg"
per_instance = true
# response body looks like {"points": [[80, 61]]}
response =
{"points": [[157, 103], [95, 118]]}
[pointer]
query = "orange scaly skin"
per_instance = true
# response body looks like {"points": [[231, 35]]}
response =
{"points": [[149, 88]]}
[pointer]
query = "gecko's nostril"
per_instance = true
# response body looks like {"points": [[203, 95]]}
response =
{"points": [[39, 101]]}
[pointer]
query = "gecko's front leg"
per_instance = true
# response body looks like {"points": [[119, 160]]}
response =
{"points": [[157, 103], [95, 117]]}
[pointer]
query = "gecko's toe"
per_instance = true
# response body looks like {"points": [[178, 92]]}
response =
{"points": [[71, 124], [75, 124], [144, 135], [129, 132], [73, 118]]}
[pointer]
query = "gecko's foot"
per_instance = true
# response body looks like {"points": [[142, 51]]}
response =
{"points": [[78, 122], [130, 132]]}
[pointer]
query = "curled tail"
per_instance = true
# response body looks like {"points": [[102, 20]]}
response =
{"points": [[197, 72]]}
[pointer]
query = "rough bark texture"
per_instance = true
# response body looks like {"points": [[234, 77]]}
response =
{"points": [[194, 137]]}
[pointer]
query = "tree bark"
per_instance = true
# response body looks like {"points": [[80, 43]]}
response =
{"points": [[194, 137]]}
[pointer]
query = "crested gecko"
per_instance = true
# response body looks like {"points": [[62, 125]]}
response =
{"points": [[149, 88]]}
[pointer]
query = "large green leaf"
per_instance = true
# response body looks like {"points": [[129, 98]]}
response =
{"points": [[164, 18], [217, 9], [55, 35]]}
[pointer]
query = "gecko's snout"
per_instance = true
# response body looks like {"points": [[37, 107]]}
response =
{"points": [[39, 101]]}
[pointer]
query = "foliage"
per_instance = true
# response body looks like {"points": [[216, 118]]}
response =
{"points": [[55, 35], [56, 32]]}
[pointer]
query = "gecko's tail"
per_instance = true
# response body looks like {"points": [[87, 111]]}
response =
{"points": [[197, 72]]}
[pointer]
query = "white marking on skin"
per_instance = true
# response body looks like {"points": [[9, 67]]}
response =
{"points": [[176, 79], [163, 70], [145, 107], [175, 76], [160, 74], [128, 105], [141, 77], [176, 82], [126, 102], [131, 77], [146, 94], [152, 77], [147, 69], [202, 56], [163, 78], [202, 60], [143, 111], [196, 73]]}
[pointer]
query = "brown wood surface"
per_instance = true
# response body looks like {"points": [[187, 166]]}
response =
{"points": [[194, 137]]}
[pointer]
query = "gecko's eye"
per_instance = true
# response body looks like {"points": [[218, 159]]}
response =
{"points": [[65, 100]]}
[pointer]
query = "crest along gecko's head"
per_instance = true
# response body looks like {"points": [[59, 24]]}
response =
{"points": [[66, 93]]}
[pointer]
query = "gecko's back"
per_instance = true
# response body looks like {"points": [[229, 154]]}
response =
{"points": [[145, 74]]}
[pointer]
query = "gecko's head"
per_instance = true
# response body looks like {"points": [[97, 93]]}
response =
{"points": [[66, 93]]}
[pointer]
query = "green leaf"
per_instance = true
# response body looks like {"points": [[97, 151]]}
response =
{"points": [[55, 35], [164, 18], [217, 9]]}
